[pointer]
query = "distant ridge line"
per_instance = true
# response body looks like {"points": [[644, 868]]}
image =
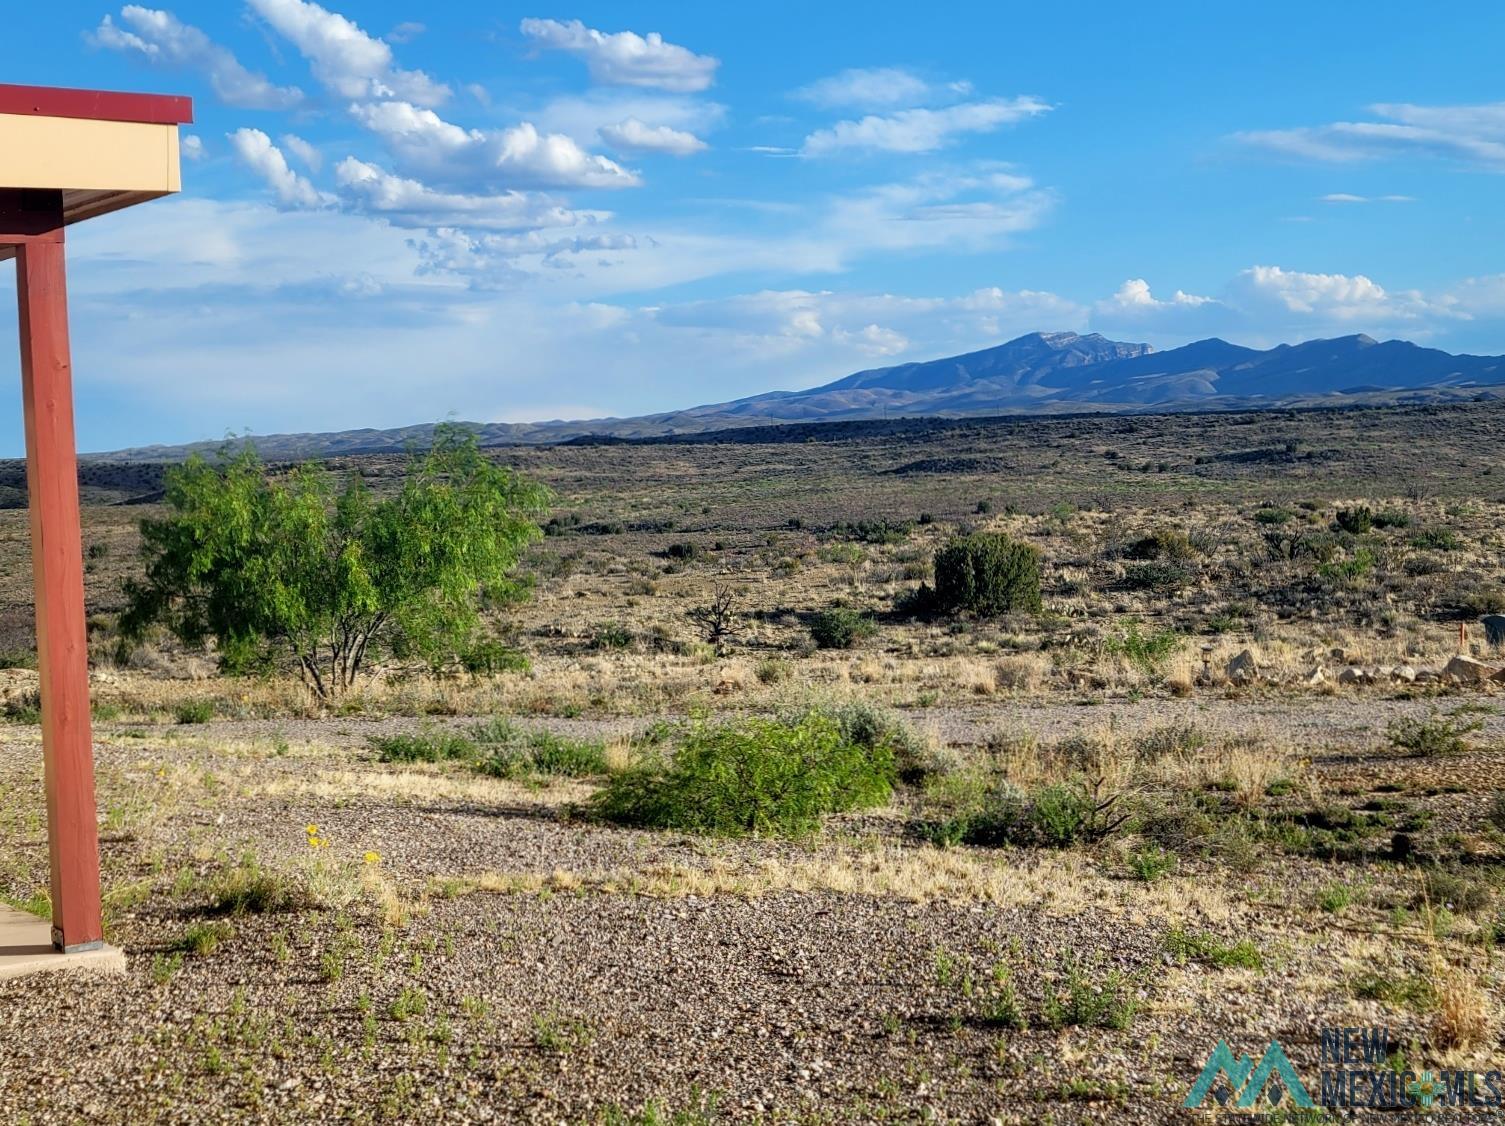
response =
{"points": [[1039, 374]]}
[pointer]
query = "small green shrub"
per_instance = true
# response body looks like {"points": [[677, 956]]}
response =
{"points": [[1150, 863], [1058, 815], [425, 746], [1163, 543], [1358, 565], [1413, 991], [1147, 651], [1392, 518], [194, 711], [1335, 898], [771, 670], [1355, 521], [1188, 946], [1437, 539], [202, 939], [873, 531], [849, 554], [988, 574], [759, 776], [841, 627], [511, 752], [489, 657], [1273, 516], [873, 728], [1454, 892], [249, 889], [1436, 735], [1159, 577], [612, 635], [1080, 1002]]}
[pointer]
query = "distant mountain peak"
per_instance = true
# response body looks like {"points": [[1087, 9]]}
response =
{"points": [[1059, 339], [1040, 372]]}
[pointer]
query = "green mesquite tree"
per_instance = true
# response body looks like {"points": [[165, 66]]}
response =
{"points": [[267, 566]]}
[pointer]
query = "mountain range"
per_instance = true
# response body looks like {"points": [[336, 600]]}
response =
{"points": [[1042, 372]]}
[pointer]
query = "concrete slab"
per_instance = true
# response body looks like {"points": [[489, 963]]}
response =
{"points": [[26, 948]]}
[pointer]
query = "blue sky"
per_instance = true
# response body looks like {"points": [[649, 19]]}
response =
{"points": [[396, 212]]}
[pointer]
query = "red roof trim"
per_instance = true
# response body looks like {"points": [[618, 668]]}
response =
{"points": [[98, 105]]}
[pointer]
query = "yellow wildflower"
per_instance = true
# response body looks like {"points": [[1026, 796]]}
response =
{"points": [[373, 858]]}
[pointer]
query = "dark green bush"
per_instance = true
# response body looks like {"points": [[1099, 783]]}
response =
{"points": [[841, 627], [612, 635], [988, 574], [873, 531], [1159, 576], [1437, 539], [1054, 816], [759, 776], [1355, 521], [489, 657], [194, 711]]}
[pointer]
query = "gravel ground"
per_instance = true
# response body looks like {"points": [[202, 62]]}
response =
{"points": [[570, 997]]}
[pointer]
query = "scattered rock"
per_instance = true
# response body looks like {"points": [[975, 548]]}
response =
{"points": [[1317, 676], [1469, 671], [19, 687], [1494, 628], [1404, 672], [1353, 675], [1243, 668]]}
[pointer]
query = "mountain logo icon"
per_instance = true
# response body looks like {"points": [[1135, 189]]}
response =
{"points": [[1274, 1078]]}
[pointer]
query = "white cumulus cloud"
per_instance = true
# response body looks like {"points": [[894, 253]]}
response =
{"points": [[633, 135], [922, 130], [410, 203], [256, 152], [517, 157], [344, 58], [1135, 294], [164, 40], [307, 153], [625, 58], [1339, 297]]}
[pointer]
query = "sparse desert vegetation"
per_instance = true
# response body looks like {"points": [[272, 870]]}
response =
{"points": [[977, 770]]}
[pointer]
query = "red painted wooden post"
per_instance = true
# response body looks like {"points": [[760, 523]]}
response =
{"points": [[58, 570]]}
